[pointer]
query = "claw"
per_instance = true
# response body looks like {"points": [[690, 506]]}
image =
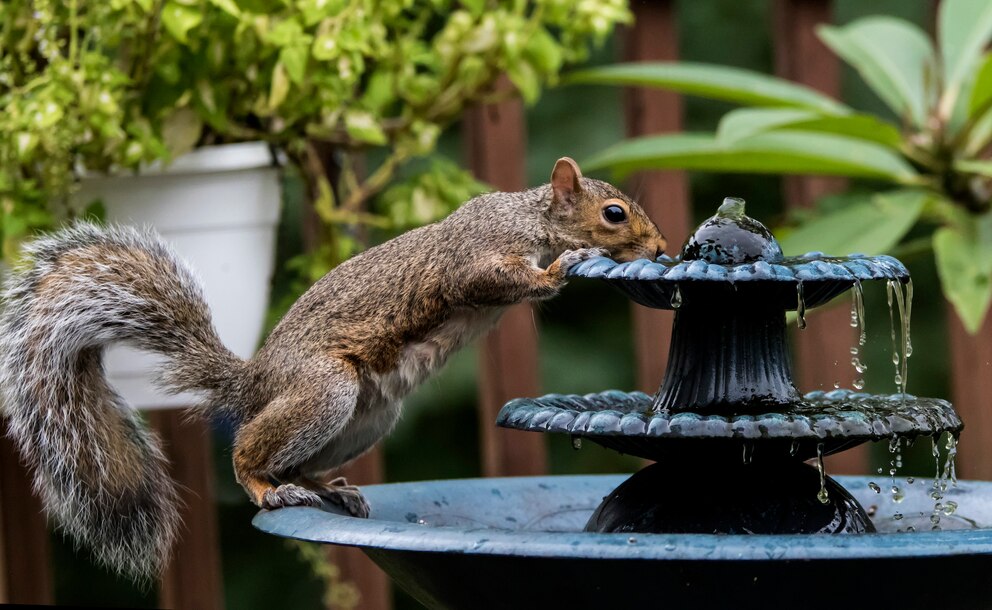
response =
{"points": [[289, 495], [348, 497]]}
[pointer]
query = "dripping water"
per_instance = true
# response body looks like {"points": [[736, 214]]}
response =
{"points": [[899, 298], [945, 475], [676, 300], [800, 306], [895, 463], [748, 452], [858, 322], [822, 496], [576, 442]]}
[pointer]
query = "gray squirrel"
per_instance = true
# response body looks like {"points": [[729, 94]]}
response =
{"points": [[325, 386]]}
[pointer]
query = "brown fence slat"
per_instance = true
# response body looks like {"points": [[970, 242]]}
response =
{"points": [[494, 137], [26, 556], [664, 195], [193, 578], [356, 568], [971, 381], [823, 349]]}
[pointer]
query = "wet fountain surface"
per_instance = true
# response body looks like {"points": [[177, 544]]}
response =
{"points": [[731, 514]]}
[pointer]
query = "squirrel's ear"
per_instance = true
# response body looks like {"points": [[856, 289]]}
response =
{"points": [[565, 180]]}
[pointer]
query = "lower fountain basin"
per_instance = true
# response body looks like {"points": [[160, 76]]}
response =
{"points": [[518, 543]]}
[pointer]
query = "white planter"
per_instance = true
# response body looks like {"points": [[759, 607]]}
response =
{"points": [[219, 208]]}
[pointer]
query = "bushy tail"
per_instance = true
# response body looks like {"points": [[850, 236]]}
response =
{"points": [[100, 473]]}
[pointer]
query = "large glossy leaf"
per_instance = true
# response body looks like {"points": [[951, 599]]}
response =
{"points": [[964, 264], [894, 57], [964, 28], [981, 91], [786, 152], [869, 224], [745, 122], [979, 167], [715, 82]]}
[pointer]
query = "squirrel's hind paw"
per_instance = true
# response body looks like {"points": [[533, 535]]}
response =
{"points": [[348, 497], [289, 495]]}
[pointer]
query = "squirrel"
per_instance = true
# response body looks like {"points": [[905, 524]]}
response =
{"points": [[324, 387]]}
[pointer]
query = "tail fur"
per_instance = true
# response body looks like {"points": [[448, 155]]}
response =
{"points": [[100, 473]]}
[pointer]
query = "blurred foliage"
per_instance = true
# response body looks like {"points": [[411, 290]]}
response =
{"points": [[110, 85], [935, 154]]}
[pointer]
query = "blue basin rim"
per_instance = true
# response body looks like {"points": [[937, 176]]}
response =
{"points": [[810, 267], [323, 525]]}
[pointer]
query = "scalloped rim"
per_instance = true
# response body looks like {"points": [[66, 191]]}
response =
{"points": [[813, 266], [629, 415]]}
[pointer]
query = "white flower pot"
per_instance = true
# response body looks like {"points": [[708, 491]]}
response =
{"points": [[219, 207]]}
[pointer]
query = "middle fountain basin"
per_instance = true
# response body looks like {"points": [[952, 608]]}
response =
{"points": [[518, 543]]}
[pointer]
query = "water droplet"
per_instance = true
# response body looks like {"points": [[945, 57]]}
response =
{"points": [[801, 306], [748, 452], [859, 384], [676, 301], [576, 442], [950, 507], [897, 516], [874, 487], [910, 480], [822, 495], [897, 494]]}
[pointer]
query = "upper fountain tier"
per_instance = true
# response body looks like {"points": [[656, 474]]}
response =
{"points": [[731, 251]]}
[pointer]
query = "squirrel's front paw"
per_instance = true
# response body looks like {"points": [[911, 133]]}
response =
{"points": [[571, 258], [289, 495]]}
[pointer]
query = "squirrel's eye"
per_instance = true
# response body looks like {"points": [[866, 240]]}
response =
{"points": [[614, 214]]}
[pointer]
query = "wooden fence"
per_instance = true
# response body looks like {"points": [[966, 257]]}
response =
{"points": [[495, 145]]}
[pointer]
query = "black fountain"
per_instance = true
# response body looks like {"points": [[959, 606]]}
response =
{"points": [[731, 513]]}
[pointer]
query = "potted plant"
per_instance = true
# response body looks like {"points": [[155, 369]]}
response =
{"points": [[124, 88]]}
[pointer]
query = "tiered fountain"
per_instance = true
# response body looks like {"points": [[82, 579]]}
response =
{"points": [[730, 514]]}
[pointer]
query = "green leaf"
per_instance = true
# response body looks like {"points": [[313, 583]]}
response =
{"points": [[786, 152], [524, 77], [228, 6], [964, 29], [981, 93], [745, 122], [981, 168], [295, 57], [716, 82], [181, 131], [964, 264], [279, 87], [287, 32], [179, 19], [869, 224], [363, 127], [894, 57]]}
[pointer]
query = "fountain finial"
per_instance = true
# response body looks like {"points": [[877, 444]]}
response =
{"points": [[731, 237]]}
